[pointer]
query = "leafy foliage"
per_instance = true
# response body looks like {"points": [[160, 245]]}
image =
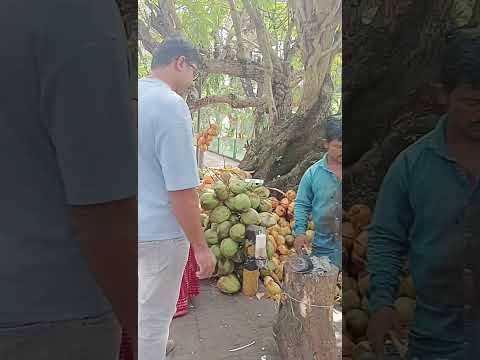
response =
{"points": [[208, 24]]}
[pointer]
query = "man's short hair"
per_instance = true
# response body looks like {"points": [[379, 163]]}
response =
{"points": [[172, 48], [461, 59], [333, 128]]}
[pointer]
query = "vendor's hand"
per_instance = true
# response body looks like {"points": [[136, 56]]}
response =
{"points": [[381, 322], [206, 261], [301, 242]]}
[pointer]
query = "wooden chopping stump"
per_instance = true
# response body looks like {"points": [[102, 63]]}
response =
{"points": [[304, 328]]}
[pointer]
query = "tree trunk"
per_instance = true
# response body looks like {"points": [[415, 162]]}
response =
{"points": [[281, 154], [304, 328], [390, 96]]}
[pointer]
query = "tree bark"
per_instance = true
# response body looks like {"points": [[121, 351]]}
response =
{"points": [[283, 153], [234, 101], [241, 50], [304, 328], [319, 24], [247, 69], [268, 60], [289, 142], [164, 18]]}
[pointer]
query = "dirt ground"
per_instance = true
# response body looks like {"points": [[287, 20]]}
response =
{"points": [[218, 323]]}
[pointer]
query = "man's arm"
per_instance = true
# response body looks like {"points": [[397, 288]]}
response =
{"points": [[303, 204], [388, 236], [174, 151], [108, 236], [185, 205], [86, 110], [303, 207]]}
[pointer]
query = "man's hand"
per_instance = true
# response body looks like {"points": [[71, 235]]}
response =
{"points": [[186, 208], [301, 242], [379, 325], [206, 261]]}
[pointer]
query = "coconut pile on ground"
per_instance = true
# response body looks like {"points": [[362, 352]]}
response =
{"points": [[355, 285], [229, 205]]}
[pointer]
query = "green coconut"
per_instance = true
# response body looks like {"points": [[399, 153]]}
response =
{"points": [[270, 249], [267, 219], [215, 249], [221, 191], [237, 232], [211, 237], [265, 205], [250, 217], [241, 202], [229, 203], [229, 284], [237, 186], [204, 219], [262, 192], [228, 248], [223, 229], [220, 214], [209, 201], [225, 267], [254, 200]]}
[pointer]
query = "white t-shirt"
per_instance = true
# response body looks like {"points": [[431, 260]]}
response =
{"points": [[166, 158]]}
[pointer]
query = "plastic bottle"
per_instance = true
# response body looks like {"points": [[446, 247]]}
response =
{"points": [[251, 274]]}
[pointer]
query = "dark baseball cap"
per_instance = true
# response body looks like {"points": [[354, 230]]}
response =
{"points": [[172, 48]]}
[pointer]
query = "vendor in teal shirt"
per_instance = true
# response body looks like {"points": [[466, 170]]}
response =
{"points": [[428, 210], [320, 195]]}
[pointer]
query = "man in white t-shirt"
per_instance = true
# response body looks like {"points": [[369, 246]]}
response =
{"points": [[169, 212]]}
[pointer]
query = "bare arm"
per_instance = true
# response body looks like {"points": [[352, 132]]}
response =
{"points": [[108, 235], [185, 206]]}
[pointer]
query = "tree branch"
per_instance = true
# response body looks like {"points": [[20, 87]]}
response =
{"points": [[288, 38], [246, 70], [232, 100], [241, 51], [145, 37], [268, 58], [336, 46], [295, 78], [164, 18]]}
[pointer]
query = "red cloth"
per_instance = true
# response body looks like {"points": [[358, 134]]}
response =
{"points": [[190, 285], [126, 352]]}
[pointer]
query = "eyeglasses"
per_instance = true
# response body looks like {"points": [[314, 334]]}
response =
{"points": [[196, 73]]}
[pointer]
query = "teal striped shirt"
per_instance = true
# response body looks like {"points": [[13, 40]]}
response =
{"points": [[319, 195]]}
